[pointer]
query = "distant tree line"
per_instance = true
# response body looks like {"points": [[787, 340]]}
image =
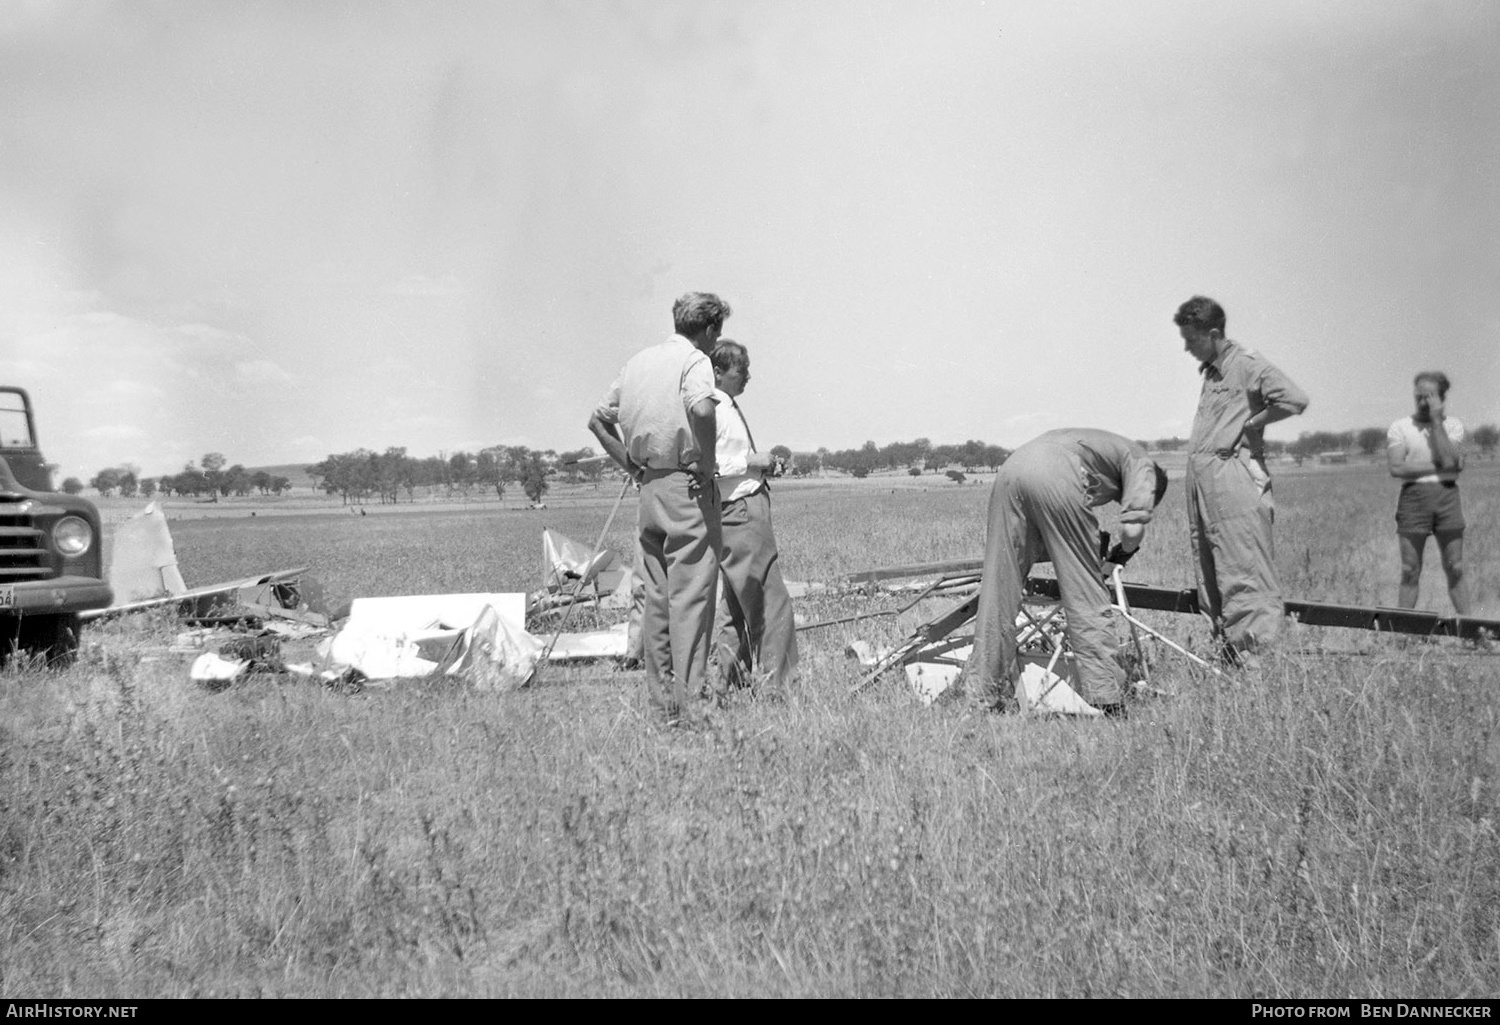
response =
{"points": [[362, 474], [1368, 441], [920, 455], [213, 478]]}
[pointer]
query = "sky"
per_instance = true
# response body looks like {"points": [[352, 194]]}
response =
{"points": [[280, 230]]}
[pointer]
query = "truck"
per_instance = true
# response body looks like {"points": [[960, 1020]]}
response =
{"points": [[51, 546]]}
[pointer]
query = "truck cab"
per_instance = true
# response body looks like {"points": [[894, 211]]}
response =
{"points": [[51, 545]]}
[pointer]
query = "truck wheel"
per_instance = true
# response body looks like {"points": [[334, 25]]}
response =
{"points": [[53, 638]]}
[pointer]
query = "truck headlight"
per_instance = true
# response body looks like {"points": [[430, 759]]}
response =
{"points": [[72, 536]]}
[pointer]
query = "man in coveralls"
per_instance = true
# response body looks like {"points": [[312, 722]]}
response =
{"points": [[1042, 507], [664, 403], [1228, 487]]}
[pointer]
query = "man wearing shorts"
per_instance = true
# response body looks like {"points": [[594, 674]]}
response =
{"points": [[1423, 453]]}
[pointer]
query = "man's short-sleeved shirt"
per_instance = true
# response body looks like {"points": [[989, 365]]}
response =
{"points": [[1236, 386], [650, 402], [1413, 442]]}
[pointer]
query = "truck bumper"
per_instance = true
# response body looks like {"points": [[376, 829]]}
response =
{"points": [[55, 596]]}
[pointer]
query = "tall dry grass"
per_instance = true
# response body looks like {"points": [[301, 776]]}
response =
{"points": [[1327, 827]]}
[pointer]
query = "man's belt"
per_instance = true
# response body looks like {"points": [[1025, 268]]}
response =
{"points": [[650, 474]]}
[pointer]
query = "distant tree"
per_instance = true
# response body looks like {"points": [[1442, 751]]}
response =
{"points": [[72, 486], [898, 454], [995, 456], [213, 472], [148, 487], [350, 475], [489, 469], [392, 470], [1487, 437], [260, 480], [105, 481], [915, 471], [235, 481], [280, 484], [1370, 440], [129, 483], [1301, 448], [191, 481], [534, 477], [461, 476], [1311, 443], [956, 476], [430, 472], [781, 452], [1168, 444], [572, 466], [971, 454]]}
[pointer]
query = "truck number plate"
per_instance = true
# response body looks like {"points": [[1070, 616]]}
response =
{"points": [[7, 596]]}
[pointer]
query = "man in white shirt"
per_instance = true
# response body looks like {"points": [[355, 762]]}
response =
{"points": [[663, 402], [757, 642], [1423, 453]]}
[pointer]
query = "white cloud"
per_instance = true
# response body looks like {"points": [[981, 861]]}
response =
{"points": [[307, 446], [1034, 420], [113, 432], [261, 371], [130, 389], [207, 334], [17, 371], [426, 287]]}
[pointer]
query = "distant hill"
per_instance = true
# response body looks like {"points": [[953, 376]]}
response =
{"points": [[294, 472]]}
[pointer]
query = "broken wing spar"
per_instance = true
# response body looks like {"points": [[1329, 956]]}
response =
{"points": [[143, 575], [965, 572], [199, 602], [1170, 599]]}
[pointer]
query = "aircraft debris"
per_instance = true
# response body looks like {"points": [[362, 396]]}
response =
{"points": [[143, 574], [934, 653]]}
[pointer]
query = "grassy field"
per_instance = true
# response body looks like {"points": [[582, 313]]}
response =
{"points": [[1326, 828]]}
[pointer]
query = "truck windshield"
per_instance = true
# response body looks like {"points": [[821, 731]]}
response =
{"points": [[15, 423]]}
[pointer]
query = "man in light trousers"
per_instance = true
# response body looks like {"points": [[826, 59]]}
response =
{"points": [[1042, 508], [1230, 511], [663, 405]]}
